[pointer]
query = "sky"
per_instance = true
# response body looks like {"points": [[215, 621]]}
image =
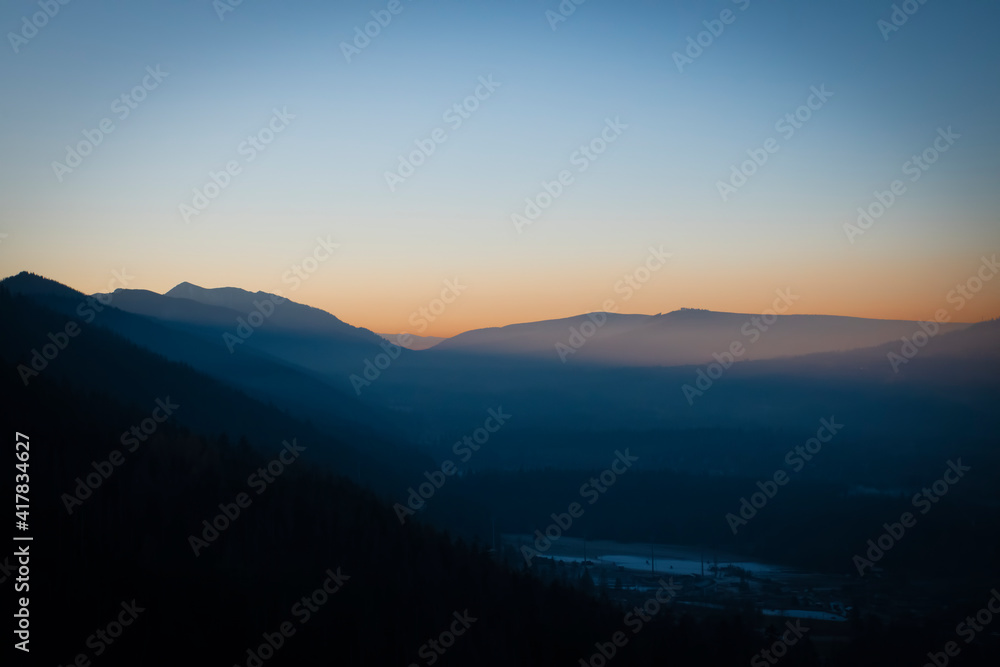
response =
{"points": [[617, 99]]}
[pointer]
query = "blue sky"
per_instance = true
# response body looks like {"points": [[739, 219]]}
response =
{"points": [[324, 174]]}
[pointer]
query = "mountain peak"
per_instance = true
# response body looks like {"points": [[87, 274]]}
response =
{"points": [[227, 297], [184, 287], [33, 284], [290, 315]]}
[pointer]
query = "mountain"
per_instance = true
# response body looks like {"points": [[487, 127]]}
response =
{"points": [[538, 339], [196, 338], [239, 322], [686, 336], [697, 416], [98, 360], [289, 315], [34, 285]]}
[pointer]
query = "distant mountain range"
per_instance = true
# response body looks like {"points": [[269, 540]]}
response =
{"points": [[321, 343], [263, 325], [583, 377], [228, 323], [682, 337]]}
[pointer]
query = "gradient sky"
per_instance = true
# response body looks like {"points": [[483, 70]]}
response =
{"points": [[323, 176]]}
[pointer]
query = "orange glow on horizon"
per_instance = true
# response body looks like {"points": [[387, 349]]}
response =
{"points": [[396, 302]]}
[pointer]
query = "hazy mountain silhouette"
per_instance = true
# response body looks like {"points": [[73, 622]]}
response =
{"points": [[321, 343], [248, 323], [567, 413], [196, 339], [99, 359], [686, 336], [292, 316]]}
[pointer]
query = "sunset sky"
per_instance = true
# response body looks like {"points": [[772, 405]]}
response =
{"points": [[679, 134]]}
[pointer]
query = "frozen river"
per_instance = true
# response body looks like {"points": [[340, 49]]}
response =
{"points": [[650, 558]]}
